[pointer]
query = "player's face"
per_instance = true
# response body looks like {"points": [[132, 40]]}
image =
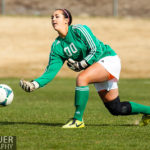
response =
{"points": [[58, 20]]}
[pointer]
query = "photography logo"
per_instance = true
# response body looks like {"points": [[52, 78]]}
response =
{"points": [[7, 142]]}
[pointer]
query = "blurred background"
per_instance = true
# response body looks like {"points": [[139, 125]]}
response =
{"points": [[26, 33], [78, 7]]}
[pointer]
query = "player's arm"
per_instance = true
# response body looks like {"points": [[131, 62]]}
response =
{"points": [[93, 45], [54, 65]]}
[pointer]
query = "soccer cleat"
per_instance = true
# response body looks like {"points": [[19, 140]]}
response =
{"points": [[145, 120], [74, 123]]}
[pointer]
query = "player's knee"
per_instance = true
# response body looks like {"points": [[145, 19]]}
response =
{"points": [[116, 107], [81, 80]]}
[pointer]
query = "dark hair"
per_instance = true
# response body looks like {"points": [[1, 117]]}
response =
{"points": [[67, 14]]}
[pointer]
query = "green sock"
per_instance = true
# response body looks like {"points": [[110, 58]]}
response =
{"points": [[81, 98], [138, 108]]}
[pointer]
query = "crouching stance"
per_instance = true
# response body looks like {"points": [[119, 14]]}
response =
{"points": [[99, 65]]}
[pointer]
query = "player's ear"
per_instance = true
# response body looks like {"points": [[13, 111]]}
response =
{"points": [[66, 21]]}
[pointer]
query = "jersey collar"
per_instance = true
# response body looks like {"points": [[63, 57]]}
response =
{"points": [[67, 38]]}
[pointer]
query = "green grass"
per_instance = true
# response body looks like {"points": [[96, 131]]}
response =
{"points": [[36, 118]]}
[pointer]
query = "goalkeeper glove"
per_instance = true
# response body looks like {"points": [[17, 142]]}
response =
{"points": [[77, 66], [29, 86]]}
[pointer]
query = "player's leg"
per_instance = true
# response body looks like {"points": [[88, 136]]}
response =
{"points": [[112, 103], [97, 73], [94, 73], [108, 92]]}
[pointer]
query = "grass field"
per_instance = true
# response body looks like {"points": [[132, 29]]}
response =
{"points": [[36, 118]]}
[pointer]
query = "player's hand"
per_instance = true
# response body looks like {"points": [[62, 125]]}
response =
{"points": [[77, 66], [28, 86]]}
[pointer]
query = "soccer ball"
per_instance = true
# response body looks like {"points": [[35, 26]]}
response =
{"points": [[6, 95]]}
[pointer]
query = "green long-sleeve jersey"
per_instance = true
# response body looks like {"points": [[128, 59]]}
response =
{"points": [[79, 43]]}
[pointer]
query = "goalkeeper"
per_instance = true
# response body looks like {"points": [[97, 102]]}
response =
{"points": [[99, 64]]}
